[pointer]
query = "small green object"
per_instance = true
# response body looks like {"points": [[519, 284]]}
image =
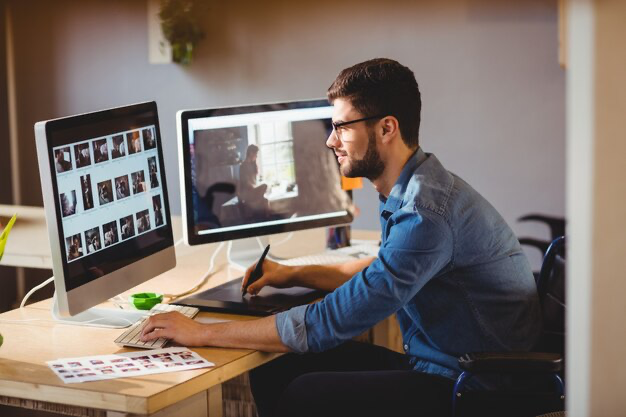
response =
{"points": [[1, 340], [145, 300], [5, 235]]}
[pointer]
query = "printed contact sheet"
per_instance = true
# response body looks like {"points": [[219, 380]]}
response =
{"points": [[97, 368]]}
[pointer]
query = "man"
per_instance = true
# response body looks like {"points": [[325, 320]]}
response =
{"points": [[449, 267]]}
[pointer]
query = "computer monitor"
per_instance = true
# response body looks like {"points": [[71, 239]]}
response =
{"points": [[255, 170], [107, 211]]}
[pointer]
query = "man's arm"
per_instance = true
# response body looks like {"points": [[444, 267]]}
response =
{"points": [[319, 277], [260, 334]]}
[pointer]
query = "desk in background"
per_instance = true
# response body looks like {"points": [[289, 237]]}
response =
{"points": [[26, 381]]}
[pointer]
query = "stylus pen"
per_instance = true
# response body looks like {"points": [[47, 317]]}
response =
{"points": [[258, 271]]}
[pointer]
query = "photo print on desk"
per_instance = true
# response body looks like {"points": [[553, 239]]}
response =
{"points": [[110, 233], [134, 142], [74, 370], [127, 226], [92, 240], [148, 138], [119, 148], [122, 189], [63, 160], [82, 155], [100, 150], [105, 192], [143, 221], [74, 247], [68, 203], [86, 191]]}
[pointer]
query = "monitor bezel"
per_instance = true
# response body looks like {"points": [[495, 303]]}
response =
{"points": [[148, 263], [191, 238]]}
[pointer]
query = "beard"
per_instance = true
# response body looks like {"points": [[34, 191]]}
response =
{"points": [[370, 167]]}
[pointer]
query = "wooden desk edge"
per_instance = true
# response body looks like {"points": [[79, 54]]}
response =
{"points": [[69, 397]]}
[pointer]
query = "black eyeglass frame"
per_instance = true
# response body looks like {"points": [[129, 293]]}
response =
{"points": [[349, 122]]}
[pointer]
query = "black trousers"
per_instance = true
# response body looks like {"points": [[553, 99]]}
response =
{"points": [[354, 379]]}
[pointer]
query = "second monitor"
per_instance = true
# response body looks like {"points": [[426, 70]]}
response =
{"points": [[257, 170]]}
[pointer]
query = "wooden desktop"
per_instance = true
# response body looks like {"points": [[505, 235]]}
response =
{"points": [[26, 381]]}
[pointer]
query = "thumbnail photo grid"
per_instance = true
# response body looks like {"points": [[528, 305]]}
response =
{"points": [[109, 190], [95, 368]]}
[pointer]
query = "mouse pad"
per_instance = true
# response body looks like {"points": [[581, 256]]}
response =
{"points": [[227, 298]]}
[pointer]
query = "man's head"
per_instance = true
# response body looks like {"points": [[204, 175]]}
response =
{"points": [[383, 92]]}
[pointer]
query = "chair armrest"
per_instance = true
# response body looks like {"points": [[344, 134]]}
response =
{"points": [[511, 362]]}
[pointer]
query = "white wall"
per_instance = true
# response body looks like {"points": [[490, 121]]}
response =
{"points": [[493, 93], [596, 197]]}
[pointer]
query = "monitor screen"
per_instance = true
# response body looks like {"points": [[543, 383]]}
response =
{"points": [[109, 190], [259, 169]]}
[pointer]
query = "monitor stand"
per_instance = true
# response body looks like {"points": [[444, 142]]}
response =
{"points": [[243, 253], [99, 317]]}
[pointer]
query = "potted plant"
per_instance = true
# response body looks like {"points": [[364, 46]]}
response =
{"points": [[180, 21]]}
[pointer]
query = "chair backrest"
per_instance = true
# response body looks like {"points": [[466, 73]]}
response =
{"points": [[551, 290]]}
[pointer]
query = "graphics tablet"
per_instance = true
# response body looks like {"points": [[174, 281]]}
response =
{"points": [[227, 298]]}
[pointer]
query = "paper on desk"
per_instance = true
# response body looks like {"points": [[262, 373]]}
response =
{"points": [[5, 234], [122, 365]]}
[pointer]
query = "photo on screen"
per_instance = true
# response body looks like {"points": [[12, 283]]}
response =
{"points": [[154, 174], [122, 189], [143, 221], [261, 172], [134, 142], [119, 148], [86, 192], [158, 212], [127, 225], [92, 240], [110, 233], [149, 141], [74, 247], [68, 203], [105, 192], [100, 151], [63, 159], [82, 155], [139, 182]]}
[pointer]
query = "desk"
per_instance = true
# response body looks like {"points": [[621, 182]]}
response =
{"points": [[26, 381]]}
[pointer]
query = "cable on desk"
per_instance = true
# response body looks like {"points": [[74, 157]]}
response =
{"points": [[34, 289], [203, 280]]}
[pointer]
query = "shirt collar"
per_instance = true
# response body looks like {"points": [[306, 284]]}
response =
{"points": [[394, 201]]}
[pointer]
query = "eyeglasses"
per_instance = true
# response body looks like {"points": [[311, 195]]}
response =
{"points": [[337, 126]]}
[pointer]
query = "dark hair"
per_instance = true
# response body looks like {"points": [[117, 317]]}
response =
{"points": [[382, 87], [252, 150]]}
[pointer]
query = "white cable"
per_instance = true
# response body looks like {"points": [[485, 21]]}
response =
{"points": [[32, 291], [204, 278], [284, 240]]}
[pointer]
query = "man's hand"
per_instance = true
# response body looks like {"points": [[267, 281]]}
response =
{"points": [[174, 326], [274, 274]]}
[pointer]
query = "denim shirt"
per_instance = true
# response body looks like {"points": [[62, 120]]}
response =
{"points": [[450, 268]]}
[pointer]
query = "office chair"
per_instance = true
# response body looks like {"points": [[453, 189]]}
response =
{"points": [[556, 225], [542, 368]]}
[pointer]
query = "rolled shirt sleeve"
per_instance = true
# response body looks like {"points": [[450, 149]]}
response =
{"points": [[419, 245]]}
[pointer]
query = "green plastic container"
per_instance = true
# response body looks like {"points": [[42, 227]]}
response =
{"points": [[145, 300]]}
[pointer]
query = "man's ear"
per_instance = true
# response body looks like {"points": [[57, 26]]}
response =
{"points": [[390, 128]]}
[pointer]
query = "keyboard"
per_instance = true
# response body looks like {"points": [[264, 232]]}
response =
{"points": [[131, 337], [333, 257]]}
